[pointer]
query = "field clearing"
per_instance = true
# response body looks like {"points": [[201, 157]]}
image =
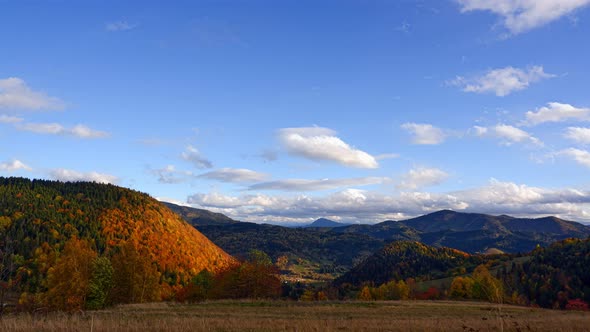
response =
{"points": [[300, 316]]}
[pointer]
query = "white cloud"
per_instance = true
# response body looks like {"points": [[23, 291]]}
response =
{"points": [[15, 94], [68, 175], [363, 206], [316, 185], [10, 119], [502, 81], [523, 15], [557, 112], [507, 134], [578, 134], [521, 200], [216, 200], [234, 175], [480, 131], [43, 128], [84, 132], [512, 134], [169, 174], [425, 134], [119, 26], [14, 165], [321, 144], [80, 131], [582, 157], [192, 155], [422, 177]]}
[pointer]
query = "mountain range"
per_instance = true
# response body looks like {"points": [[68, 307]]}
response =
{"points": [[333, 250], [474, 232]]}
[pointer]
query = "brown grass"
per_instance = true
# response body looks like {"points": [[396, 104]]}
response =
{"points": [[293, 316]]}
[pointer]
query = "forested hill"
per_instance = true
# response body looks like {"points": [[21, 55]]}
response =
{"points": [[557, 276], [38, 218], [407, 259], [553, 275]]}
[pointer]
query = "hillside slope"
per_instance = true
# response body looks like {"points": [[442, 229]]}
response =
{"points": [[38, 217]]}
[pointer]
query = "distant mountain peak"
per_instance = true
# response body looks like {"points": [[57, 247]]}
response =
{"points": [[443, 213], [324, 222]]}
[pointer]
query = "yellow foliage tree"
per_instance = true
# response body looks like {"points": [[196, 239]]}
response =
{"points": [[461, 288], [136, 277], [67, 281], [485, 286]]}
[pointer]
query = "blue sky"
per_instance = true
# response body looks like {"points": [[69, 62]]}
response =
{"points": [[287, 111]]}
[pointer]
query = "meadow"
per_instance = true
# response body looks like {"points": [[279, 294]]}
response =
{"points": [[305, 316]]}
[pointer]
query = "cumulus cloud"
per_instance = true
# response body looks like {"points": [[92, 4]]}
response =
{"points": [[192, 155], [234, 175], [519, 199], [15, 94], [316, 185], [80, 131], [322, 144], [14, 165], [578, 134], [68, 175], [216, 200], [119, 26], [422, 177], [425, 134], [169, 174], [10, 119], [582, 157], [507, 134], [502, 81], [523, 15], [557, 112], [363, 206], [512, 134]]}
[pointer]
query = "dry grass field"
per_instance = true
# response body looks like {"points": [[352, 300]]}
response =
{"points": [[293, 316]]}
